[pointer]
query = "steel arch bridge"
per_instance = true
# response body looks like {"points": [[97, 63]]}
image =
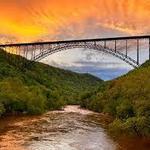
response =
{"points": [[117, 46]]}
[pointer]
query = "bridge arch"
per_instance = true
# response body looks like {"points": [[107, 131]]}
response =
{"points": [[92, 46], [37, 50]]}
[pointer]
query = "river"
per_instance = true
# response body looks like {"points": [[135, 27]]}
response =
{"points": [[70, 129]]}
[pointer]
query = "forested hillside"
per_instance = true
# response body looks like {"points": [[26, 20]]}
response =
{"points": [[127, 99], [33, 87]]}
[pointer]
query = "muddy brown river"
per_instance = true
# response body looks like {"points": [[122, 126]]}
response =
{"points": [[71, 129]]}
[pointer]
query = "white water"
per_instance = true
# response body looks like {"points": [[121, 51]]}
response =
{"points": [[75, 131]]}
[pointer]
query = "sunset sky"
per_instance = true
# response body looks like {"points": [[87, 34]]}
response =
{"points": [[47, 20]]}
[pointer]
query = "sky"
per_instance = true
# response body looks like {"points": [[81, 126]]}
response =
{"points": [[49, 20]]}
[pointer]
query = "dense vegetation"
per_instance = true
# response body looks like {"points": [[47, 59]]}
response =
{"points": [[32, 87], [127, 99]]}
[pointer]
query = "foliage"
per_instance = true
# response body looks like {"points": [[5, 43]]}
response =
{"points": [[32, 87], [127, 99]]}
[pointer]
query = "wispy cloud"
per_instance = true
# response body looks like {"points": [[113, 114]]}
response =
{"points": [[46, 20], [31, 20]]}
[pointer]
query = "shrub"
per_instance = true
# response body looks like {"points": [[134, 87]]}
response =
{"points": [[2, 109], [124, 110]]}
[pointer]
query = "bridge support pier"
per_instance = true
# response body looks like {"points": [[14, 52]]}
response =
{"points": [[149, 48], [115, 45], [104, 44], [126, 48], [138, 52], [95, 43]]}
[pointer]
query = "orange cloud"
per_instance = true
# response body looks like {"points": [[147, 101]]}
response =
{"points": [[30, 20]]}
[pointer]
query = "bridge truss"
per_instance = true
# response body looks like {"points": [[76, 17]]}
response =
{"points": [[118, 47]]}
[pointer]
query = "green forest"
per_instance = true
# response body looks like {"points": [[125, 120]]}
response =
{"points": [[127, 99], [34, 88]]}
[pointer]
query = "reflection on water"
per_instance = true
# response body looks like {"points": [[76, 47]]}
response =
{"points": [[71, 129]]}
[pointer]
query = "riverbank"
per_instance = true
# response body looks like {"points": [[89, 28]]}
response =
{"points": [[72, 128]]}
